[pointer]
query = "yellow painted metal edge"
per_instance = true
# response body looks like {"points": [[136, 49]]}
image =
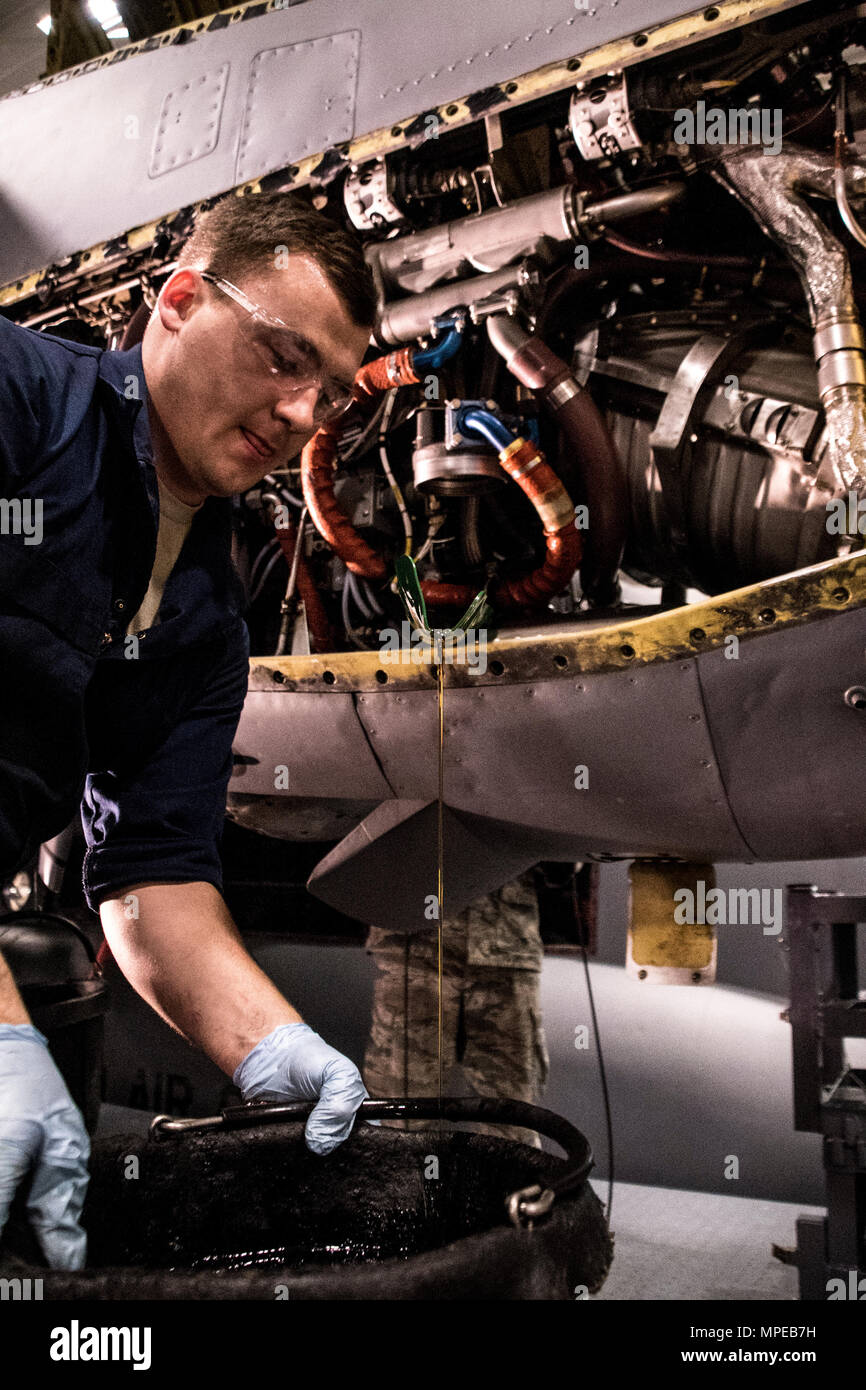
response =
{"points": [[543, 81], [807, 595]]}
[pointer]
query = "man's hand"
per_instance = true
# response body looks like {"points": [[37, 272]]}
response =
{"points": [[40, 1126], [184, 955], [294, 1063]]}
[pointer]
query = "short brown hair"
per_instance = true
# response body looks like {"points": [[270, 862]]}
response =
{"points": [[243, 234]]}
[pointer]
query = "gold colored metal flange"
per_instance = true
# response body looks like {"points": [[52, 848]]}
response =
{"points": [[808, 595]]}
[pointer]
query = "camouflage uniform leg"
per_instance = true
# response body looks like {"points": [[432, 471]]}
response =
{"points": [[402, 1055], [505, 1051], [491, 965]]}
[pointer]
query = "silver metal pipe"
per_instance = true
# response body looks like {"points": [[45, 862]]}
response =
{"points": [[488, 241], [841, 146], [507, 336], [636, 204], [771, 190], [845, 211], [296, 558], [407, 319]]}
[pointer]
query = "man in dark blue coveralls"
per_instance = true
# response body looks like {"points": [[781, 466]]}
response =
{"points": [[124, 653]]}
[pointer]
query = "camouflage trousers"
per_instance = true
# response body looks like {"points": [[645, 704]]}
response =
{"points": [[492, 1038]]}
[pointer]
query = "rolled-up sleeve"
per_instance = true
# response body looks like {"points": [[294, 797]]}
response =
{"points": [[162, 821]]}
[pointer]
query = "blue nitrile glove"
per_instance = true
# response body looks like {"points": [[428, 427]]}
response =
{"points": [[294, 1063], [40, 1125]]}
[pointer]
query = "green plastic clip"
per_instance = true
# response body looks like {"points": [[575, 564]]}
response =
{"points": [[477, 615]]}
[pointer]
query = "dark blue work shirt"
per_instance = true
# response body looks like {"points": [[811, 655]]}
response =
{"points": [[142, 742]]}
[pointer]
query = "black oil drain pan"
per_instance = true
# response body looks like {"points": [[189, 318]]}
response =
{"points": [[236, 1207]]}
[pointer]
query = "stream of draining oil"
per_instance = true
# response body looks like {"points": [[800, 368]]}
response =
{"points": [[440, 856]]}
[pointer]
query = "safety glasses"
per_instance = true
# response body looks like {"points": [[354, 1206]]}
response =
{"points": [[286, 354]]}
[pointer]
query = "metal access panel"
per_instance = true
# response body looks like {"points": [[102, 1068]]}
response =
{"points": [[279, 729], [127, 139], [652, 785], [787, 718]]}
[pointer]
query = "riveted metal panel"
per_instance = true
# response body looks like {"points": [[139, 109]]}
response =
{"points": [[624, 701], [74, 173], [300, 98], [653, 785], [189, 121], [317, 738], [792, 751], [753, 749]]}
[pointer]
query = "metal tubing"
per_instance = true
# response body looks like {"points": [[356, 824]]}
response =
{"points": [[636, 204], [404, 320], [537, 367], [486, 241], [840, 149], [772, 189]]}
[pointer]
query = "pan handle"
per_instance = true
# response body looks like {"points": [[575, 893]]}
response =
{"points": [[524, 1206]]}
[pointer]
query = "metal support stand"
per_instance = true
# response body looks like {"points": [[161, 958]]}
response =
{"points": [[829, 1095]]}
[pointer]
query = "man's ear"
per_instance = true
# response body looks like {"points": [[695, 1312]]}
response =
{"points": [[178, 297]]}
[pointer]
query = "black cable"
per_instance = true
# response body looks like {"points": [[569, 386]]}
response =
{"points": [[602, 1073], [371, 596], [282, 488], [368, 432]]}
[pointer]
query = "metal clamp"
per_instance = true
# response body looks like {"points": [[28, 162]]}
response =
{"points": [[669, 441], [524, 1207]]}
